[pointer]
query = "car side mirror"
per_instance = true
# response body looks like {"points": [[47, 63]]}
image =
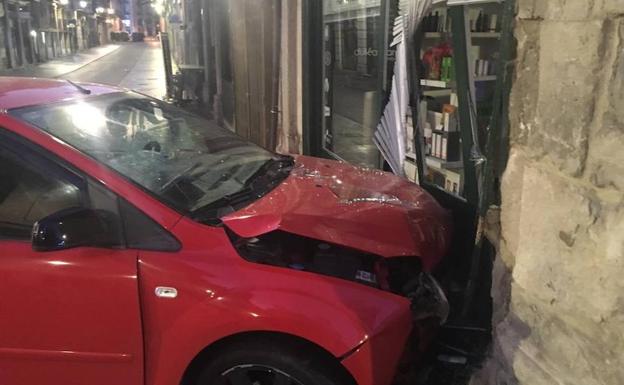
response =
{"points": [[76, 227]]}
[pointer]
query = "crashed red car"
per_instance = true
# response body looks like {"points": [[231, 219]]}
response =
{"points": [[140, 244]]}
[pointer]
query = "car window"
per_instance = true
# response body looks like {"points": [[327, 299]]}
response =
{"points": [[143, 233], [185, 161], [33, 186], [31, 189]]}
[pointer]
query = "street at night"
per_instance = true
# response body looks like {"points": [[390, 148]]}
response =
{"points": [[311, 192], [133, 65]]}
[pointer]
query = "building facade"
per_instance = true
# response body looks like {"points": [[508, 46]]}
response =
{"points": [[37, 31], [299, 76]]}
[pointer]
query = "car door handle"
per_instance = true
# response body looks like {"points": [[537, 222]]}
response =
{"points": [[166, 292]]}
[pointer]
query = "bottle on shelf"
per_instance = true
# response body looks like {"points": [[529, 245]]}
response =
{"points": [[446, 72], [478, 23], [493, 23]]}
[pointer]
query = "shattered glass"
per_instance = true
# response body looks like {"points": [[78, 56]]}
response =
{"points": [[350, 193], [428, 298], [186, 161]]}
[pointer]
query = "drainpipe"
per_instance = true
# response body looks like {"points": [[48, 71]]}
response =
{"points": [[56, 26], [206, 43], [32, 40], [275, 75], [216, 35], [20, 35], [7, 35]]}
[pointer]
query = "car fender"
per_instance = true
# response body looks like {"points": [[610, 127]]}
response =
{"points": [[336, 315]]}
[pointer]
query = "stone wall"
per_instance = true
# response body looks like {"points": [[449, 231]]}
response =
{"points": [[559, 275]]}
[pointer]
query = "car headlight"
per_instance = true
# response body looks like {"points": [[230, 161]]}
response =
{"points": [[399, 275]]}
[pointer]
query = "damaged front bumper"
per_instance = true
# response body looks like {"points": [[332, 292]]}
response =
{"points": [[393, 355], [376, 360], [427, 298]]}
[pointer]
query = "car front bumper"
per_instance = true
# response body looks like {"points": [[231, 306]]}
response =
{"points": [[401, 343], [376, 360]]}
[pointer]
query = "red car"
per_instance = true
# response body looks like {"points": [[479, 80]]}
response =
{"points": [[140, 244]]}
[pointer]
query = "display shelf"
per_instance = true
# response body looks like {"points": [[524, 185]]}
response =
{"points": [[487, 78], [435, 83], [437, 35], [442, 132], [446, 179], [474, 34], [485, 35], [410, 169], [440, 164], [472, 2], [438, 93], [433, 35]]}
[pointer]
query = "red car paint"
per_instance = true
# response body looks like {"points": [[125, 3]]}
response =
{"points": [[368, 210], [90, 316]]}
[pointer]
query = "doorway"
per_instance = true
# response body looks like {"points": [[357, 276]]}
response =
{"points": [[350, 47]]}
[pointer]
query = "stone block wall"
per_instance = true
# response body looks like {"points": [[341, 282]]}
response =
{"points": [[559, 275]]}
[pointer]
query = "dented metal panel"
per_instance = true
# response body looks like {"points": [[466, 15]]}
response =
{"points": [[364, 209]]}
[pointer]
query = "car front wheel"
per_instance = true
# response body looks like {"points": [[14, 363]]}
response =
{"points": [[270, 364]]}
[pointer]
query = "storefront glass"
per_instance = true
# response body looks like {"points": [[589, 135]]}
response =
{"points": [[354, 33]]}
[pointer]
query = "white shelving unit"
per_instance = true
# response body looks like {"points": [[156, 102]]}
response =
{"points": [[449, 174], [488, 78], [485, 35], [440, 164], [472, 2], [475, 35], [438, 93], [433, 35], [435, 83]]}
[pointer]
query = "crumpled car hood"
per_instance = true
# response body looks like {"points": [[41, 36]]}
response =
{"points": [[364, 209]]}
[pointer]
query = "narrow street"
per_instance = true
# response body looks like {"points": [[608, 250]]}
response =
{"points": [[137, 66], [134, 65], [306, 192]]}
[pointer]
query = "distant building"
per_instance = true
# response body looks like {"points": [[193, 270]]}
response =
{"points": [[297, 75], [38, 31], [126, 10], [145, 18]]}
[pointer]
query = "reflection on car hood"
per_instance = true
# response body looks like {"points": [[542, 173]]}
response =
{"points": [[368, 210]]}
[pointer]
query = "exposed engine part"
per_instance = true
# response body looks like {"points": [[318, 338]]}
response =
{"points": [[459, 360], [279, 248], [428, 298], [400, 275]]}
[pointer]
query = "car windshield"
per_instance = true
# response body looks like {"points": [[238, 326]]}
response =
{"points": [[186, 161]]}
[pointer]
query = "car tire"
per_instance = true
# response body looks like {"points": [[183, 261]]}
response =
{"points": [[267, 363]]}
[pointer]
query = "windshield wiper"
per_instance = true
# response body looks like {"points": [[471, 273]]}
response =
{"points": [[187, 173], [80, 89], [271, 167], [268, 176], [227, 203]]}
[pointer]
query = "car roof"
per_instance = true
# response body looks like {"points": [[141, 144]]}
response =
{"points": [[16, 92]]}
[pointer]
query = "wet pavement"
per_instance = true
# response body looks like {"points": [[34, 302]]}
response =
{"points": [[61, 66], [134, 65]]}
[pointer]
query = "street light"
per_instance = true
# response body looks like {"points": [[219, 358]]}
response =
{"points": [[110, 11], [158, 7], [64, 2], [83, 4], [99, 10]]}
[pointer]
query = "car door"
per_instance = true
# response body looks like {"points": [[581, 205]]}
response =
{"points": [[68, 316]]}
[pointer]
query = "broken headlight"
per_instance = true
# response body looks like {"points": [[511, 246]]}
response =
{"points": [[400, 275]]}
